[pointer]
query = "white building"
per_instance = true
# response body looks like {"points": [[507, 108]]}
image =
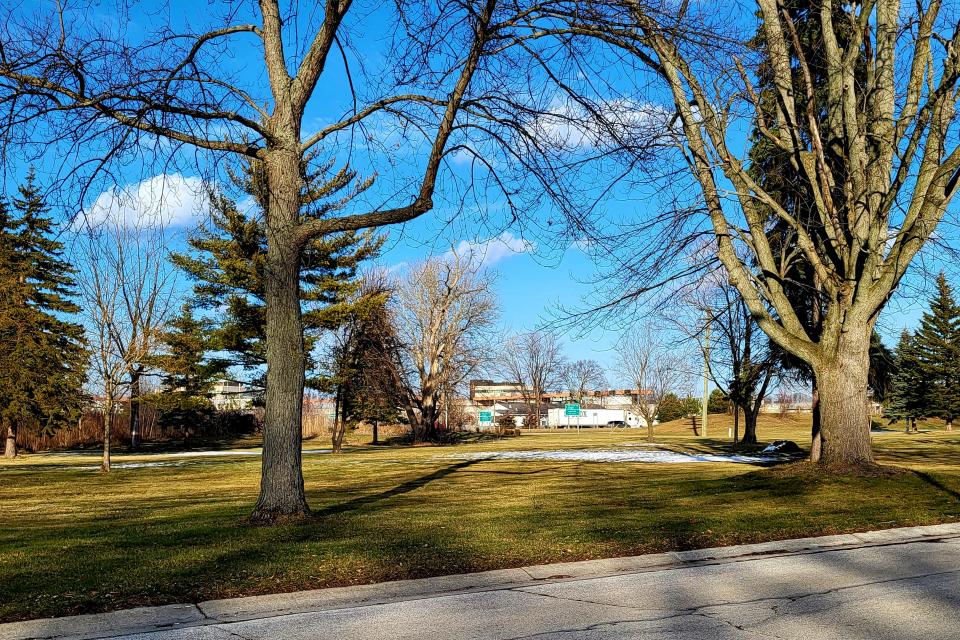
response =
{"points": [[232, 395]]}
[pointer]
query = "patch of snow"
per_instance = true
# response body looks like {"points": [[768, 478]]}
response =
{"points": [[611, 455]]}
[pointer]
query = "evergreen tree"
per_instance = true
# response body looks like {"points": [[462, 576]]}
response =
{"points": [[227, 262], [187, 368], [42, 350], [938, 346], [908, 394]]}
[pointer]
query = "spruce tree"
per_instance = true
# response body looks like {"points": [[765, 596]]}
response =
{"points": [[188, 368], [42, 350], [908, 394], [227, 259], [938, 346]]}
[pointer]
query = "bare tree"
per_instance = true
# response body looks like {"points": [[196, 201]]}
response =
{"points": [[875, 145], [653, 367], [127, 290], [106, 93], [536, 363], [741, 362], [583, 376], [445, 310]]}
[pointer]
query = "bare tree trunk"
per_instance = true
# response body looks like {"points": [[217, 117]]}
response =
{"points": [[339, 422], [10, 449], [135, 409], [736, 424], [842, 384], [376, 427], [107, 432], [281, 480], [750, 415], [815, 437]]}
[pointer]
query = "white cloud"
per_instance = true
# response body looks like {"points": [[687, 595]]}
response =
{"points": [[489, 252], [569, 125], [170, 200]]}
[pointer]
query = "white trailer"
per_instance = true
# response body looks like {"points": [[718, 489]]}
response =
{"points": [[556, 417]]}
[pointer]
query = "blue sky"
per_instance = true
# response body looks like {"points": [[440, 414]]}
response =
{"points": [[544, 270]]}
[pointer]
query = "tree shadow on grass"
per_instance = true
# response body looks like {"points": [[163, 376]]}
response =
{"points": [[933, 482], [400, 489]]}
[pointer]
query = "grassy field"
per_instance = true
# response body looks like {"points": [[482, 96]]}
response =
{"points": [[72, 540]]}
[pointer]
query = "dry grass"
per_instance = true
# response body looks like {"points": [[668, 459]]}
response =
{"points": [[72, 540]]}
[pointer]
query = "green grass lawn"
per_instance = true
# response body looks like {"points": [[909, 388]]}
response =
{"points": [[72, 540]]}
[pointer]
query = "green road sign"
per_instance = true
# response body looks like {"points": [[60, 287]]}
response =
{"points": [[572, 409], [486, 416]]}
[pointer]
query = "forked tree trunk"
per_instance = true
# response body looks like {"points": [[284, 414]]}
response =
{"points": [[844, 411], [135, 410], [10, 449], [281, 481], [107, 432]]}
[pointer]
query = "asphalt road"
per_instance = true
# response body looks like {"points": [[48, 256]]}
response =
{"points": [[897, 590]]}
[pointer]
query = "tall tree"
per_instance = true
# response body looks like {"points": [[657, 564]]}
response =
{"points": [[127, 288], [109, 93], [937, 344], [444, 313], [535, 362], [580, 377], [881, 160], [652, 367], [366, 362], [186, 360], [41, 345], [228, 258], [908, 394]]}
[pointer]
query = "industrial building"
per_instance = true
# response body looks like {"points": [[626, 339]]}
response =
{"points": [[599, 408]]}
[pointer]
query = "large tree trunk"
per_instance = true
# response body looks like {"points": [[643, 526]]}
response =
{"points": [[281, 482], [107, 432], [844, 411], [736, 424], [750, 415], [10, 449], [134, 409]]}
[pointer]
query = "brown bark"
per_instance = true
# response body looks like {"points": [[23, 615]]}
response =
{"points": [[815, 440], [339, 422], [10, 449], [845, 417], [107, 433], [376, 435], [750, 425], [281, 482], [135, 409]]}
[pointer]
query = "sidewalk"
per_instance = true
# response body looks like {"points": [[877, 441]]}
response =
{"points": [[213, 619]]}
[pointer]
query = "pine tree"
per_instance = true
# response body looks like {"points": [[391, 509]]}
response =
{"points": [[908, 394], [938, 346], [227, 262], [42, 350], [188, 370]]}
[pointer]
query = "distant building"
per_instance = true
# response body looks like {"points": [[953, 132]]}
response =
{"points": [[232, 395], [599, 408]]}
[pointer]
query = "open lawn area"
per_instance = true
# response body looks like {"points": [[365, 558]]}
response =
{"points": [[166, 528]]}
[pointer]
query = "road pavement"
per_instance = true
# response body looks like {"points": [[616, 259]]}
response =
{"points": [[893, 584]]}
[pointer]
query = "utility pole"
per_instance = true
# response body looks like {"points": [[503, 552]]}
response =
{"points": [[706, 374]]}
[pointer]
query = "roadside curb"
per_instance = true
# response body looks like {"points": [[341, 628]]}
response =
{"points": [[213, 612]]}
